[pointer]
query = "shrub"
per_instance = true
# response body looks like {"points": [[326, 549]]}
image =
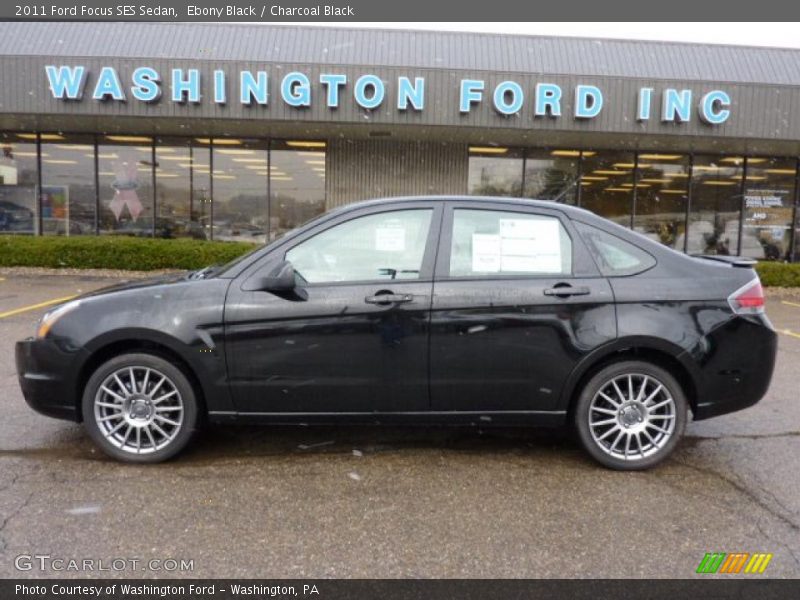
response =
{"points": [[149, 254], [774, 274], [115, 252]]}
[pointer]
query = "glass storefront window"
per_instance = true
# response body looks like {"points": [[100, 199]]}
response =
{"points": [[607, 184], [18, 184], [768, 207], [551, 175], [240, 190], [796, 256], [716, 186], [183, 189], [68, 193], [662, 194], [260, 191], [297, 184], [125, 177], [495, 171]]}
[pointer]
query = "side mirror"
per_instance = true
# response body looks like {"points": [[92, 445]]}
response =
{"points": [[280, 280]]}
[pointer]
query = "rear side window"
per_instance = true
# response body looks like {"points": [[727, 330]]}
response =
{"points": [[614, 256], [500, 243]]}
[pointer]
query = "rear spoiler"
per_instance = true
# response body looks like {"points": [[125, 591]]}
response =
{"points": [[734, 261]]}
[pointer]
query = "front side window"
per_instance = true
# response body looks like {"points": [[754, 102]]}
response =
{"points": [[614, 256], [384, 246], [490, 242]]}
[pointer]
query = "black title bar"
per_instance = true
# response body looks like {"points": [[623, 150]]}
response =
{"points": [[406, 10], [387, 589]]}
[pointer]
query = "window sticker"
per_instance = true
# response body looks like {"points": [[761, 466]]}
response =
{"points": [[525, 229], [390, 239], [523, 246], [531, 245], [517, 247], [521, 264], [485, 253]]}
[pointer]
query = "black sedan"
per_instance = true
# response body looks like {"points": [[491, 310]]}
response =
{"points": [[451, 310]]}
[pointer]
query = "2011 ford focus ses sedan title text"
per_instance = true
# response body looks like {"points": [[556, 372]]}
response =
{"points": [[448, 310]]}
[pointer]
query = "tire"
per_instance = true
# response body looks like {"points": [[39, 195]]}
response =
{"points": [[149, 422], [636, 424]]}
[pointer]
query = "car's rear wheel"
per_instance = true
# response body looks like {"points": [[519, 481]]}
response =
{"points": [[139, 407], [630, 415]]}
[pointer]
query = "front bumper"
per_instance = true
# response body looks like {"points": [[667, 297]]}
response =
{"points": [[48, 372]]}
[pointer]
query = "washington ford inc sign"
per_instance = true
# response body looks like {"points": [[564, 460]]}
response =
{"points": [[369, 91]]}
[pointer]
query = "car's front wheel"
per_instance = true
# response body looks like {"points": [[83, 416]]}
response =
{"points": [[139, 407], [630, 415]]}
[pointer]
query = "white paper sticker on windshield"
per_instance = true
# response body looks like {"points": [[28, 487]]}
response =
{"points": [[485, 253], [521, 264], [517, 247], [530, 245], [521, 228], [390, 239]]}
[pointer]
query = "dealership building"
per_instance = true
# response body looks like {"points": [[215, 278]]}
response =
{"points": [[242, 132]]}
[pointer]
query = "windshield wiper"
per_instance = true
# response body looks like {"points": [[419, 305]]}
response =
{"points": [[202, 273]]}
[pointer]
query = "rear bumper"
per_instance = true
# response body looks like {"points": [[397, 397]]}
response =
{"points": [[737, 367], [48, 375]]}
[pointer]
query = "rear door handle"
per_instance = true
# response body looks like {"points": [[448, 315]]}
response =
{"points": [[389, 299], [567, 291]]}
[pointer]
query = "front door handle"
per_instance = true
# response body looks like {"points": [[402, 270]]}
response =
{"points": [[567, 290], [388, 299]]}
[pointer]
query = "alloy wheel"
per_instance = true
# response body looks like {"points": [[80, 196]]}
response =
{"points": [[138, 409], [632, 416]]}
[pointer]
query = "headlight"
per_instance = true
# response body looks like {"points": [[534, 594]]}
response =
{"points": [[49, 319]]}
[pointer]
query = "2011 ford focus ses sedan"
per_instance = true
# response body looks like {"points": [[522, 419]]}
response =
{"points": [[452, 310]]}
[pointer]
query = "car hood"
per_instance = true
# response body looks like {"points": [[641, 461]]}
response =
{"points": [[135, 284]]}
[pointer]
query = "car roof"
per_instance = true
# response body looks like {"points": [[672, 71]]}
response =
{"points": [[547, 204]]}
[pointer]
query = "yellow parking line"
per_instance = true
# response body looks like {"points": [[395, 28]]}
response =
{"points": [[787, 303], [23, 309], [786, 331], [2, 278]]}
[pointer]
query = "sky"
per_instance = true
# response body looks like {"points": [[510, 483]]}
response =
{"points": [[781, 35]]}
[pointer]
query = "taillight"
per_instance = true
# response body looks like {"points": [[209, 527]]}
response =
{"points": [[748, 299]]}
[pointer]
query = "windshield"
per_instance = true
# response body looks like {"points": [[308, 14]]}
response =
{"points": [[221, 270]]}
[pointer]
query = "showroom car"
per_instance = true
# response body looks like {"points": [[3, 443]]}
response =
{"points": [[427, 310]]}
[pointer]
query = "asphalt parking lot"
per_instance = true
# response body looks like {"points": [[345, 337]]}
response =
{"points": [[361, 502]]}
